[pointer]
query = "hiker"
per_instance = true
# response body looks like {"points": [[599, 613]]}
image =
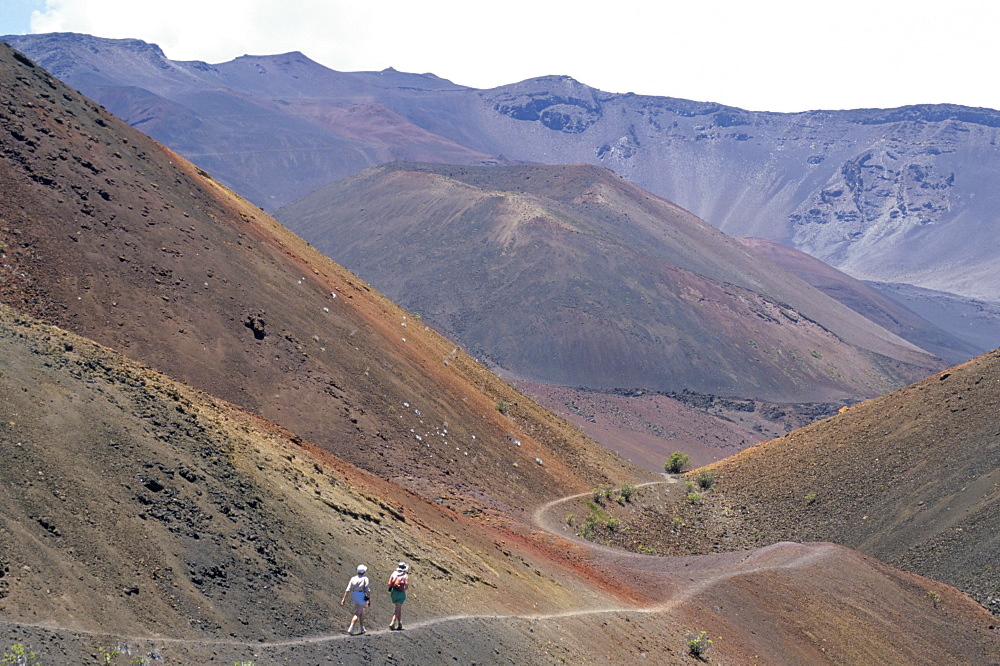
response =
{"points": [[398, 582], [360, 591]]}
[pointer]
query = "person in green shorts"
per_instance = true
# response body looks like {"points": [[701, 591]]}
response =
{"points": [[398, 582]]}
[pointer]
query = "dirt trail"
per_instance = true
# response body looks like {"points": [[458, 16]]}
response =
{"points": [[701, 572]]}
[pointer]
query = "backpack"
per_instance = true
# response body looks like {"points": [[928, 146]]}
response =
{"points": [[397, 581]]}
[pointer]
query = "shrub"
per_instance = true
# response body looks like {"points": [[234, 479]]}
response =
{"points": [[699, 644], [20, 655], [676, 462], [503, 407], [108, 654], [694, 498], [625, 493], [602, 492], [705, 479], [810, 498]]}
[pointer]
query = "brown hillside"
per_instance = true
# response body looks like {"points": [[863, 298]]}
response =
{"points": [[143, 513], [912, 478], [106, 233], [572, 276], [136, 505], [867, 301]]}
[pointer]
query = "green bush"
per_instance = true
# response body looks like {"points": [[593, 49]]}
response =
{"points": [[503, 407], [625, 493], [694, 498], [705, 479], [108, 654], [602, 492], [699, 644], [20, 655], [676, 462]]}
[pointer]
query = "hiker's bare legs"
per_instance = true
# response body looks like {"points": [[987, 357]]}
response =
{"points": [[397, 617]]}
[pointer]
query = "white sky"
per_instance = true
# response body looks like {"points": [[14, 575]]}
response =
{"points": [[771, 55]]}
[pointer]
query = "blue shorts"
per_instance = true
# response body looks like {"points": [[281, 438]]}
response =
{"points": [[359, 597]]}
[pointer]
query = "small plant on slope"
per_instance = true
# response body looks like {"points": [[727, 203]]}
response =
{"points": [[602, 492], [706, 479], [676, 462], [625, 493], [699, 644], [108, 654], [20, 655]]}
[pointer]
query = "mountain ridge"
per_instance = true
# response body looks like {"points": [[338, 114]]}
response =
{"points": [[591, 243], [156, 517], [891, 195]]}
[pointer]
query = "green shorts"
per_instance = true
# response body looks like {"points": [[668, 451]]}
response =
{"points": [[398, 596]]}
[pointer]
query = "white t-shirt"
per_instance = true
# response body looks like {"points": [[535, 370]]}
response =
{"points": [[358, 584]]}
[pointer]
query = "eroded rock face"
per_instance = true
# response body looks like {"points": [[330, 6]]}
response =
{"points": [[891, 195]]}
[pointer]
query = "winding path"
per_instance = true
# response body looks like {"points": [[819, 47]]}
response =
{"points": [[691, 576]]}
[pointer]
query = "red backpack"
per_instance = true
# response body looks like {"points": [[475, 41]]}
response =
{"points": [[397, 581]]}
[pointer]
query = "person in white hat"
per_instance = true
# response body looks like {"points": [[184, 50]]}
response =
{"points": [[398, 582], [360, 590]]}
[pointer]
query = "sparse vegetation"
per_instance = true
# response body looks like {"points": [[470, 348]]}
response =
{"points": [[676, 462], [108, 654], [811, 498], [20, 655], [695, 498], [705, 479], [597, 519], [935, 597], [698, 644], [503, 407], [602, 492], [625, 493]]}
